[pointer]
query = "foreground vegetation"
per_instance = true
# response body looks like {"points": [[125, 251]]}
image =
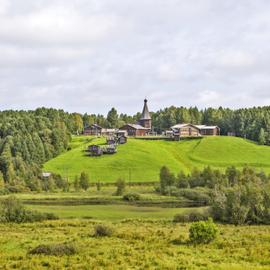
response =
{"points": [[134, 244], [140, 161]]}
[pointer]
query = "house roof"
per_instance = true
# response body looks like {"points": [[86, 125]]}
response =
{"points": [[197, 126], [181, 125], [136, 126], [207, 127], [145, 113]]}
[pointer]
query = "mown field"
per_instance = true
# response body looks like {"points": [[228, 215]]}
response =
{"points": [[141, 160], [135, 244]]}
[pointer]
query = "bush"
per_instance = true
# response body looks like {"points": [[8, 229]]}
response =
{"points": [[131, 197], [54, 250], [12, 210], [195, 195], [203, 232], [191, 217], [181, 218], [102, 230], [120, 187], [198, 216]]}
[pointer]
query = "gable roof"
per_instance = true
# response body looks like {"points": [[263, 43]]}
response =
{"points": [[178, 126], [136, 126], [145, 113]]}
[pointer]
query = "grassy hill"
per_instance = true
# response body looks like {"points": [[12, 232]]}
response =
{"points": [[140, 160]]}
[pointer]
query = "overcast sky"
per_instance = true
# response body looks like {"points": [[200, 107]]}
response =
{"points": [[91, 55]]}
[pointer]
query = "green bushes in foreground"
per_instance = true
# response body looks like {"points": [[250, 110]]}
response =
{"points": [[12, 210], [203, 232]]}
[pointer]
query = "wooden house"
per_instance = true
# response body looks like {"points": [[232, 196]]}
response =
{"points": [[135, 130], [190, 130], [186, 130], [209, 130], [93, 129], [108, 131]]}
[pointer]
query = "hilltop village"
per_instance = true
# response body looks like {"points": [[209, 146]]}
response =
{"points": [[144, 128]]}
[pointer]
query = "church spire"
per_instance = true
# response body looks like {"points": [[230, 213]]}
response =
{"points": [[145, 113]]}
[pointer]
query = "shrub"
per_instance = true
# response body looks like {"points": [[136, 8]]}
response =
{"points": [[191, 217], [12, 210], [198, 216], [196, 195], [102, 230], [54, 250], [181, 218], [203, 232], [120, 187], [84, 181], [131, 197]]}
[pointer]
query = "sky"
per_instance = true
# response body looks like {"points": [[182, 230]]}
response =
{"points": [[91, 55]]}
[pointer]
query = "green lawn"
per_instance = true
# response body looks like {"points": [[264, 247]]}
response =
{"points": [[112, 212], [141, 160]]}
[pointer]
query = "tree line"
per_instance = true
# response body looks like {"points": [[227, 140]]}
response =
{"points": [[234, 196]]}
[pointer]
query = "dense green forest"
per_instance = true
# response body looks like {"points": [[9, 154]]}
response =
{"points": [[29, 138]]}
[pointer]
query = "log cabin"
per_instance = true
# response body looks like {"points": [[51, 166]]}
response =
{"points": [[190, 130], [135, 130]]}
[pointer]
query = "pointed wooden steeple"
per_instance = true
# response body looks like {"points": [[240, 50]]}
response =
{"points": [[145, 119]]}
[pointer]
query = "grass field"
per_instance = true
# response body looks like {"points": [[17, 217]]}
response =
{"points": [[134, 245], [112, 212], [141, 160]]}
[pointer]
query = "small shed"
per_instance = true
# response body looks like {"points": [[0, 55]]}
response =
{"points": [[122, 140], [110, 149], [95, 150], [111, 141]]}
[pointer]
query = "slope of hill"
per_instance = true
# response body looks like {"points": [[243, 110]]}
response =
{"points": [[141, 160]]}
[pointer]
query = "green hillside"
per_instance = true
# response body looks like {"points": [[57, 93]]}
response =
{"points": [[140, 160]]}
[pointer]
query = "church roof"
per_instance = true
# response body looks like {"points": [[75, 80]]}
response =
{"points": [[145, 114]]}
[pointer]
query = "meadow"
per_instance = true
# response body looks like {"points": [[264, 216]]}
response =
{"points": [[141, 160], [135, 244]]}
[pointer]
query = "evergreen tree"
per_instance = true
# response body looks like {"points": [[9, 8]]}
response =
{"points": [[261, 138], [84, 181], [112, 118]]}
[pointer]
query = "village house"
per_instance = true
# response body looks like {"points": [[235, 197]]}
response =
{"points": [[135, 130], [143, 127], [93, 129], [190, 130]]}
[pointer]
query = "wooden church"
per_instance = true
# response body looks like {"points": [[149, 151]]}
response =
{"points": [[144, 125]]}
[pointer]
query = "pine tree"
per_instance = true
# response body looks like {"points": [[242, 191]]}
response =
{"points": [[261, 138]]}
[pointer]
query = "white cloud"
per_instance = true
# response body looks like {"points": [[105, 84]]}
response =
{"points": [[90, 55]]}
